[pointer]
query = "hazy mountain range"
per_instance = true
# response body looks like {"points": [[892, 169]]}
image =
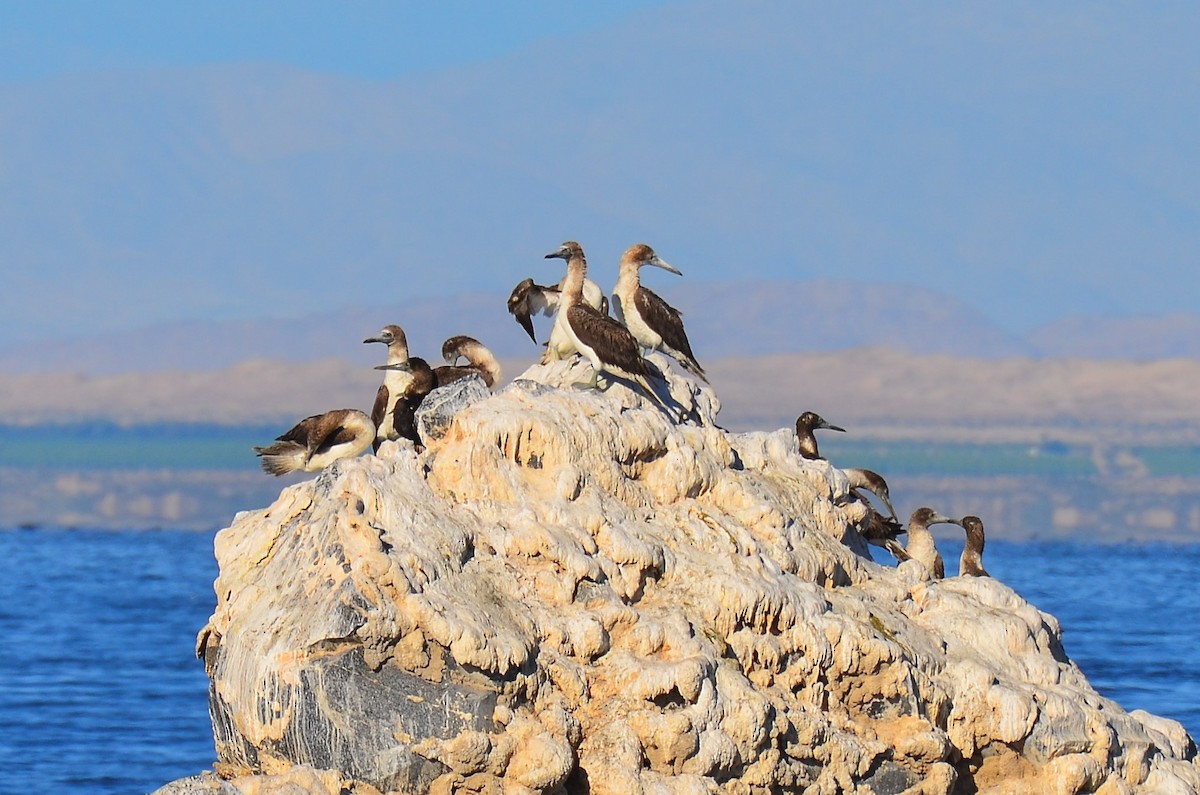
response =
{"points": [[934, 175], [723, 320]]}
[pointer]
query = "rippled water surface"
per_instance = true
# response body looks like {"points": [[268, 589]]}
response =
{"points": [[100, 691]]}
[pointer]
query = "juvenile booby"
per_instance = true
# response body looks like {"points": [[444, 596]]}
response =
{"points": [[317, 441], [970, 564], [806, 423], [873, 482], [528, 298], [921, 547], [396, 380], [400, 420], [653, 322], [603, 341], [481, 361]]}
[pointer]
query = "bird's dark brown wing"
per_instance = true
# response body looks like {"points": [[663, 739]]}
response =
{"points": [[404, 419], [302, 431], [518, 306], [611, 341], [380, 407], [449, 373], [528, 299], [666, 320], [338, 434]]}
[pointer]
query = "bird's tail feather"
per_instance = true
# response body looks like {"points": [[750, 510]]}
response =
{"points": [[281, 457]]}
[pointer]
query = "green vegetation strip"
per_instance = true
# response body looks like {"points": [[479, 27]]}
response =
{"points": [[107, 446], [207, 446], [977, 460]]}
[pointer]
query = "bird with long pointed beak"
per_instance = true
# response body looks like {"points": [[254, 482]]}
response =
{"points": [[400, 420], [603, 341], [654, 323], [397, 381], [921, 546], [806, 423]]}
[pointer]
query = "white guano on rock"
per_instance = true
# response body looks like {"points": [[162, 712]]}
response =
{"points": [[567, 592]]}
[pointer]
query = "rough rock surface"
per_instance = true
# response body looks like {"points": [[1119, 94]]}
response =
{"points": [[568, 592]]}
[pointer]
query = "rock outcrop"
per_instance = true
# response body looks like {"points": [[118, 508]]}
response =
{"points": [[567, 592]]}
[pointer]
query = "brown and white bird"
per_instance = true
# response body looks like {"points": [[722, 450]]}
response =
{"points": [[317, 441], [398, 380], [480, 361], [970, 563], [400, 420], [603, 341], [921, 546], [528, 298], [654, 323], [806, 423]]}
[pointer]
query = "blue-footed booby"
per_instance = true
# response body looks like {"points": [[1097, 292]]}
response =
{"points": [[603, 341], [396, 417], [317, 441], [806, 423], [970, 564], [653, 322], [921, 547], [480, 361], [396, 381], [528, 298]]}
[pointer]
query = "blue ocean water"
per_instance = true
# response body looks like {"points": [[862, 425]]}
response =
{"points": [[100, 691]]}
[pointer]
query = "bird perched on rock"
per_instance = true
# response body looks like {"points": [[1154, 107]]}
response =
{"points": [[480, 361], [653, 322], [806, 423], [317, 441], [603, 341], [398, 383], [528, 298], [400, 420], [921, 546], [970, 563]]}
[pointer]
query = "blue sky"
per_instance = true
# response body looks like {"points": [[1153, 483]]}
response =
{"points": [[359, 38], [222, 161]]}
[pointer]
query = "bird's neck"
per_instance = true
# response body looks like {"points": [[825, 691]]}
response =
{"points": [[572, 285], [972, 554], [483, 361], [920, 545], [397, 352], [628, 279]]}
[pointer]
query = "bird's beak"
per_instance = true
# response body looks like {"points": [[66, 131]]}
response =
{"points": [[405, 366], [558, 253], [373, 339], [937, 518], [662, 263], [830, 427]]}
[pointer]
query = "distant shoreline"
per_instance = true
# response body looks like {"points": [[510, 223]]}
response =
{"points": [[198, 477], [874, 393]]}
